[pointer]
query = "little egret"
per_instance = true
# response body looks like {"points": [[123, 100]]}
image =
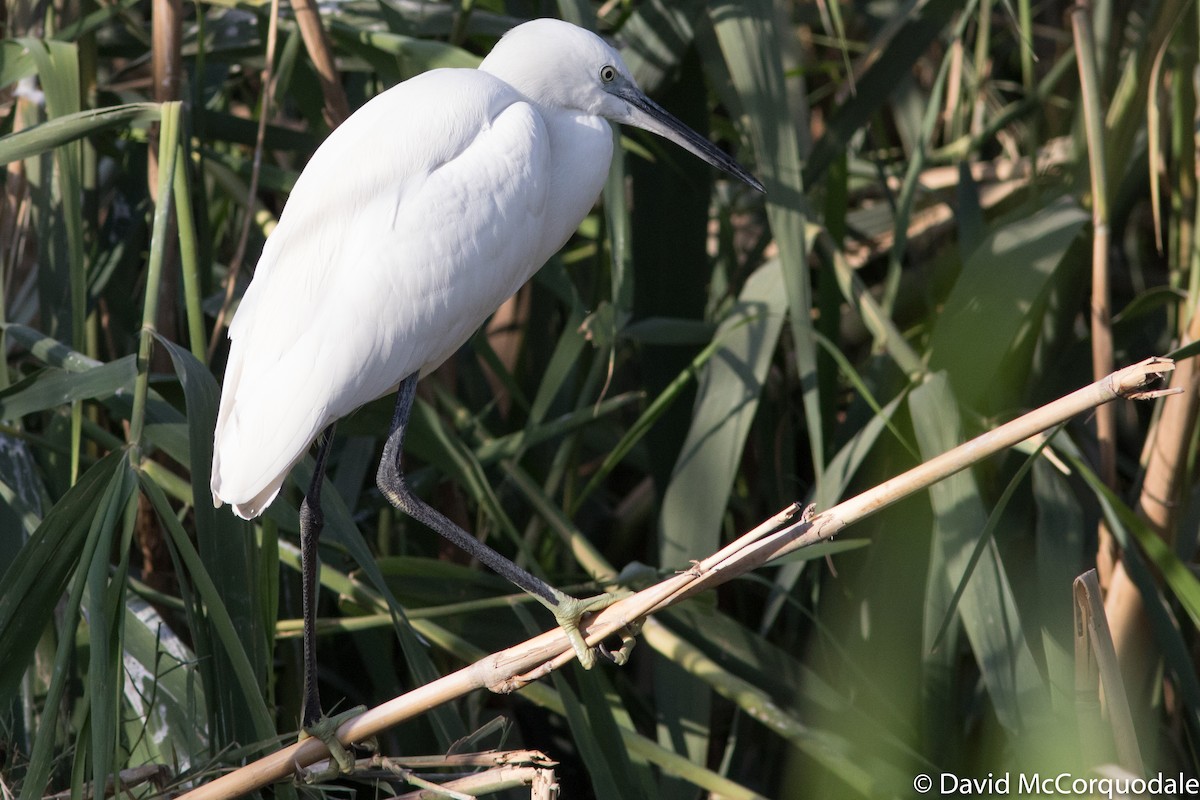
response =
{"points": [[416, 219]]}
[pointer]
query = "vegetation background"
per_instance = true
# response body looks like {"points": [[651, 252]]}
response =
{"points": [[972, 208]]}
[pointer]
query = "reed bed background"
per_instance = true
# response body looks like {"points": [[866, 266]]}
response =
{"points": [[972, 208]]}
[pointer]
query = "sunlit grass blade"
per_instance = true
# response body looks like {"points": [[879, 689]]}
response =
{"points": [[986, 537], [163, 691], [1015, 268], [752, 52], [694, 502], [54, 387], [696, 499], [988, 609]]}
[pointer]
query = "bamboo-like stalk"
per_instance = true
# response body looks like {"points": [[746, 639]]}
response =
{"points": [[316, 41], [1096, 665], [1101, 315], [1165, 459], [490, 781], [264, 111], [168, 135], [167, 69], [1025, 26], [188, 258], [510, 670]]}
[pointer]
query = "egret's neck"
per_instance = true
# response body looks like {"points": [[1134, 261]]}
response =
{"points": [[581, 149]]}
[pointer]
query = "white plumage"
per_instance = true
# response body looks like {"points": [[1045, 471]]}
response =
{"points": [[412, 223]]}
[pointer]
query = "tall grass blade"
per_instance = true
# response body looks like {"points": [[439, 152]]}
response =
{"points": [[227, 550], [52, 387], [72, 127], [1015, 269], [163, 693], [694, 502], [34, 584], [245, 688], [35, 580], [104, 610], [988, 610], [599, 740], [751, 48]]}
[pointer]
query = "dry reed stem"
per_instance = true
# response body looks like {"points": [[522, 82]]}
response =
{"points": [[264, 113], [1101, 314], [167, 69], [1096, 666], [316, 41], [789, 530], [493, 780], [1165, 461]]}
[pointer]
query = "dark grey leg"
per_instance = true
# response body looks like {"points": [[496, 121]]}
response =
{"points": [[312, 520], [313, 721], [390, 478]]}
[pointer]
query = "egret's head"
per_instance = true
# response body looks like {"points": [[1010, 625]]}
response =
{"points": [[559, 65]]}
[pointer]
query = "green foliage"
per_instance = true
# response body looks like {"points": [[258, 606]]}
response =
{"points": [[695, 359]]}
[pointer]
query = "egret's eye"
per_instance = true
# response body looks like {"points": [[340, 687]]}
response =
{"points": [[608, 74]]}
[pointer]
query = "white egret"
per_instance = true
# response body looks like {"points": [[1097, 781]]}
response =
{"points": [[412, 222]]}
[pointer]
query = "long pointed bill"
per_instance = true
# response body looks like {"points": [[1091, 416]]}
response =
{"points": [[649, 115]]}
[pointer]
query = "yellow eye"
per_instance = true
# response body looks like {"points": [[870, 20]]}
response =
{"points": [[608, 74]]}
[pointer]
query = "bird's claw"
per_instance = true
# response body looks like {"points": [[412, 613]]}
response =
{"points": [[569, 612], [628, 635], [341, 760]]}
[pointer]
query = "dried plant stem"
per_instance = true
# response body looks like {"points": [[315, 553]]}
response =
{"points": [[789, 530], [1095, 666], [493, 780], [1166, 472], [1101, 320], [337, 109], [316, 41], [239, 255], [167, 68]]}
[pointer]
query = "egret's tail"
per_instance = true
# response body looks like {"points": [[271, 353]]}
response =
{"points": [[264, 426]]}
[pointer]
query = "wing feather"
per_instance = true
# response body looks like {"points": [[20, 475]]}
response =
{"points": [[403, 233]]}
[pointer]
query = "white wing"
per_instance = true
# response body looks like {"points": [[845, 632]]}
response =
{"points": [[412, 222]]}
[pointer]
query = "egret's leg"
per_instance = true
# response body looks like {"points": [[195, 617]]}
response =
{"points": [[313, 721], [567, 610]]}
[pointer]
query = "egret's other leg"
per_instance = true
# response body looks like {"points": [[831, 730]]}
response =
{"points": [[312, 720], [567, 610]]}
